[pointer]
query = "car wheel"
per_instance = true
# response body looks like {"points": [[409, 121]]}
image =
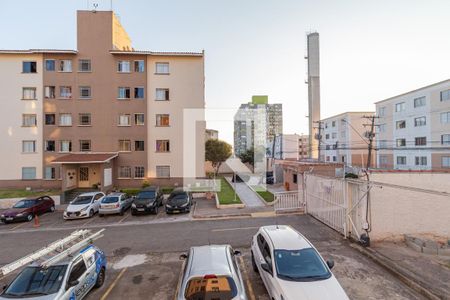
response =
{"points": [[52, 208], [156, 210], [255, 267], [91, 213], [100, 278], [30, 217]]}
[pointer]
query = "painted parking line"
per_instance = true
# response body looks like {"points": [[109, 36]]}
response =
{"points": [[179, 281], [110, 288], [233, 229], [124, 218], [250, 291], [18, 226]]}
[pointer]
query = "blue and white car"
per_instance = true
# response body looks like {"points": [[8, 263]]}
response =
{"points": [[70, 279]]}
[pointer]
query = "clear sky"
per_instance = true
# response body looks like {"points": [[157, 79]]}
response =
{"points": [[370, 50]]}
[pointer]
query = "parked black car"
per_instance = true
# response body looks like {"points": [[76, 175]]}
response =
{"points": [[148, 200], [179, 201], [269, 177]]}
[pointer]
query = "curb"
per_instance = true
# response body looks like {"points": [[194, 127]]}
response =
{"points": [[231, 216], [404, 275]]}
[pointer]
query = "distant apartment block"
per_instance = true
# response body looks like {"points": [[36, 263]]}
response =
{"points": [[211, 134], [414, 129], [292, 147], [343, 139], [102, 115], [257, 123]]}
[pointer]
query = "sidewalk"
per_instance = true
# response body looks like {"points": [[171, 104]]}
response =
{"points": [[430, 272], [247, 195], [207, 209]]}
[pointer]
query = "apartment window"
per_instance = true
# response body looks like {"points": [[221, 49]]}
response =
{"points": [[445, 117], [445, 139], [163, 171], [384, 160], [28, 146], [65, 120], [328, 158], [382, 128], [138, 92], [50, 65], [50, 146], [162, 146], [162, 94], [334, 158], [400, 124], [84, 65], [162, 120], [49, 92], [139, 66], [29, 120], [29, 67], [401, 142], [85, 145], [419, 102], [50, 173], [50, 119], [29, 93], [327, 136], [65, 146], [139, 172], [327, 147], [334, 135], [401, 160], [65, 92], [400, 106], [124, 120], [333, 124], [445, 95], [421, 141], [445, 161], [138, 145], [382, 111], [421, 160], [124, 145], [139, 119], [382, 144], [65, 65], [124, 93], [85, 92], [123, 66], [294, 178], [84, 119], [326, 125], [28, 173], [124, 172], [421, 121], [343, 134], [162, 68]]}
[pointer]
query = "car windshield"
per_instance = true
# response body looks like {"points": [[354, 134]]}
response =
{"points": [[146, 195], [178, 200], [24, 203], [300, 265], [82, 200], [112, 199], [37, 281], [220, 288]]}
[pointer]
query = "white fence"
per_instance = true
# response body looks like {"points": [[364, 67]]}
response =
{"points": [[288, 201]]}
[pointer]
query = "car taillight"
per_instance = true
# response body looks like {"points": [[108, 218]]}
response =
{"points": [[210, 276], [117, 205]]}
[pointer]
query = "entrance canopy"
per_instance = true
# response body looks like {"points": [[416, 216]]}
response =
{"points": [[85, 158]]}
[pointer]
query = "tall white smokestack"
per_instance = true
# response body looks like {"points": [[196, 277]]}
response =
{"points": [[313, 91]]}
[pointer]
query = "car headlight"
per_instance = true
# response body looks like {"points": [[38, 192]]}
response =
{"points": [[19, 215], [150, 204], [2, 216], [84, 209], [133, 205], [169, 206], [184, 205]]}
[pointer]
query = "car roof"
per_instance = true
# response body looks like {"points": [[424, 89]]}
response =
{"points": [[210, 259], [149, 188], [178, 190], [89, 194], [116, 194], [285, 237]]}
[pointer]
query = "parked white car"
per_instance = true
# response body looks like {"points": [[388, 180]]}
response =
{"points": [[84, 206], [291, 267]]}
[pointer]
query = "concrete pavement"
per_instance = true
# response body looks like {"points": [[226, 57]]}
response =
{"points": [[247, 195]]}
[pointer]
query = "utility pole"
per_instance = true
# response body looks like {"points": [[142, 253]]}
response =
{"points": [[319, 137], [370, 135]]}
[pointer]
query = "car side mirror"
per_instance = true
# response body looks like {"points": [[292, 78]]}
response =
{"points": [[133, 197], [5, 287], [73, 283], [183, 256], [237, 253], [266, 268], [330, 263]]}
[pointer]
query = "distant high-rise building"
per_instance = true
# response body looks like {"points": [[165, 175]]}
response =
{"points": [[292, 147], [313, 91], [257, 123]]}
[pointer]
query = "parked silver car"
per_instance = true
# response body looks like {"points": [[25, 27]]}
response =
{"points": [[83, 206], [211, 272], [115, 203]]}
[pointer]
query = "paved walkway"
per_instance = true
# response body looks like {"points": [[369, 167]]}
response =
{"points": [[247, 195], [207, 209]]}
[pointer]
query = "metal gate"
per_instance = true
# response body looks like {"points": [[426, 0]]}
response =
{"points": [[288, 201]]}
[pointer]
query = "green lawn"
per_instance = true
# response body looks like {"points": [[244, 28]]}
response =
{"points": [[226, 194], [21, 193], [268, 196]]}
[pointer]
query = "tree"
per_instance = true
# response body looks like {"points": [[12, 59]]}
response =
{"points": [[217, 152], [248, 157]]}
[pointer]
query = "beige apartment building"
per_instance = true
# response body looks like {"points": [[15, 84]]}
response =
{"points": [[414, 129], [344, 139], [292, 147], [104, 115]]}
